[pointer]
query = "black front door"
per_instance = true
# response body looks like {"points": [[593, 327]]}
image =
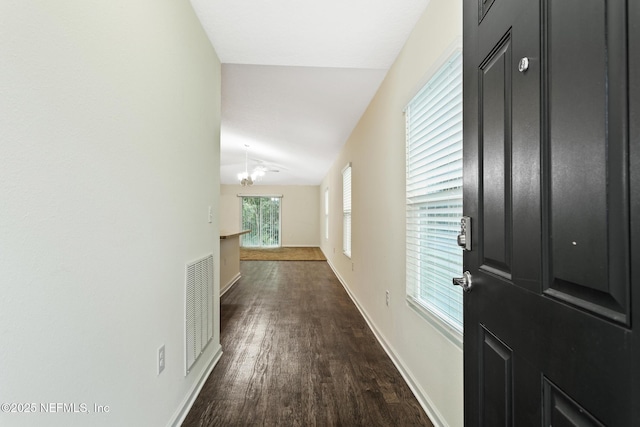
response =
{"points": [[551, 141]]}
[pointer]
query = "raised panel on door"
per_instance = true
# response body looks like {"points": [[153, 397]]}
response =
{"points": [[495, 111], [561, 410], [507, 116], [484, 6], [496, 381], [586, 142]]}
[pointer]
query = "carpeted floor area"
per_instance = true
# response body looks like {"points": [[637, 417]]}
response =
{"points": [[281, 254]]}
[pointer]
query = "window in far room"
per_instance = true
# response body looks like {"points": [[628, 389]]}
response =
{"points": [[346, 210], [326, 213], [261, 215]]}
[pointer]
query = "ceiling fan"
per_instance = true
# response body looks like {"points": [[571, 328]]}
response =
{"points": [[246, 179]]}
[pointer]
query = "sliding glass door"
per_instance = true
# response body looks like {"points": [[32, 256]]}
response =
{"points": [[261, 215]]}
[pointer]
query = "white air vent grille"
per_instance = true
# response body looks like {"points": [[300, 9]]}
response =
{"points": [[198, 309]]}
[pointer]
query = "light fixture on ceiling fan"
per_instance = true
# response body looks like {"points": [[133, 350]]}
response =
{"points": [[244, 177]]}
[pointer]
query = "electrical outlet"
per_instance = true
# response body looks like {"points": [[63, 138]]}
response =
{"points": [[387, 298], [352, 267], [161, 359], [210, 215]]}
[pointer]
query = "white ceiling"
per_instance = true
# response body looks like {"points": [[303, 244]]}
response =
{"points": [[297, 76]]}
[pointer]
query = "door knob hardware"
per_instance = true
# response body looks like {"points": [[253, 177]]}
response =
{"points": [[523, 65], [464, 282]]}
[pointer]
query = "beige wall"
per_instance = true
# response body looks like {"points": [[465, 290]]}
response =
{"points": [[432, 364], [109, 142], [229, 262], [300, 211]]}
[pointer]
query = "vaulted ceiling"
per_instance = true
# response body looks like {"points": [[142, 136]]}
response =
{"points": [[297, 76]]}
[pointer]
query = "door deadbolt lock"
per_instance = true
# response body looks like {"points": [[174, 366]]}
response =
{"points": [[464, 282], [464, 238]]}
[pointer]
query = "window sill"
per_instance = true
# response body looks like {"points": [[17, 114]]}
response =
{"points": [[452, 334]]}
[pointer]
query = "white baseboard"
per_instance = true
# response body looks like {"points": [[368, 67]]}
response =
{"points": [[426, 403], [228, 286], [187, 403], [300, 246]]}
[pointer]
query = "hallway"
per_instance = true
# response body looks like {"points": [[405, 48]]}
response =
{"points": [[298, 353]]}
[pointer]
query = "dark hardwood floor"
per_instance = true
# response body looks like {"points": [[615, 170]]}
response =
{"points": [[297, 352]]}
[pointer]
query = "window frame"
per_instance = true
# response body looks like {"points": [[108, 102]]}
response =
{"points": [[347, 210], [272, 197], [326, 213], [424, 308]]}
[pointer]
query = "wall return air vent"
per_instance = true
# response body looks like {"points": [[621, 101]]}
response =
{"points": [[198, 309]]}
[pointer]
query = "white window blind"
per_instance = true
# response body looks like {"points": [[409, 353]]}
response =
{"points": [[261, 215], [434, 194], [346, 210], [326, 213]]}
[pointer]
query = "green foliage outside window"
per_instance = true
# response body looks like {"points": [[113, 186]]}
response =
{"points": [[261, 215]]}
